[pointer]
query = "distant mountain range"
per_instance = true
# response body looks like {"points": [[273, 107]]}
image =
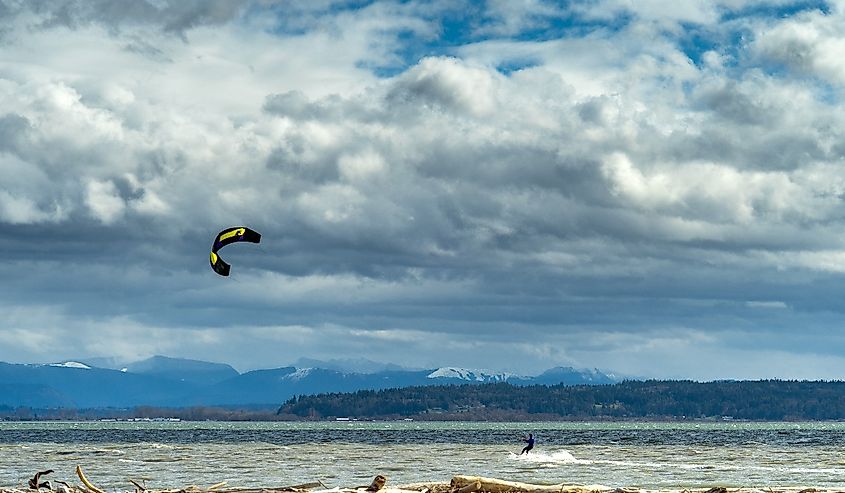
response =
{"points": [[173, 382]]}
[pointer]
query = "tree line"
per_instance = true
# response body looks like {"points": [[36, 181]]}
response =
{"points": [[660, 399], [775, 400]]}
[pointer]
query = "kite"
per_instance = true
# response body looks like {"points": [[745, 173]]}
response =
{"points": [[230, 235]]}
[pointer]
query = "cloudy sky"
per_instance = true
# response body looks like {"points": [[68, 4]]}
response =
{"points": [[655, 188]]}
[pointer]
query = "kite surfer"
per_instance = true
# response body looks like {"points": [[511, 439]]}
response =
{"points": [[530, 442]]}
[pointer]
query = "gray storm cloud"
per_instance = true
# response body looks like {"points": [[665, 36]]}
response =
{"points": [[591, 211], [171, 16]]}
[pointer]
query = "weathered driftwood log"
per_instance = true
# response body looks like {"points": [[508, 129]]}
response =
{"points": [[427, 487], [269, 489], [86, 482], [139, 488], [491, 485], [471, 487], [34, 484], [361, 489]]}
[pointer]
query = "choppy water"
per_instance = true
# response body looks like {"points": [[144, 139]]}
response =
{"points": [[646, 455]]}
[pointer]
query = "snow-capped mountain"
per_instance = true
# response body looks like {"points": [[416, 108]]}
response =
{"points": [[71, 364], [177, 382], [479, 376], [299, 374], [574, 376]]}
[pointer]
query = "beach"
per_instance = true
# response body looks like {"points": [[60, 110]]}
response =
{"points": [[458, 484]]}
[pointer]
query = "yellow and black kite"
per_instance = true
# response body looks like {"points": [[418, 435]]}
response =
{"points": [[230, 235]]}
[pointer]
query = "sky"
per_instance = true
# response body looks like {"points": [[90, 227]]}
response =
{"points": [[653, 188]]}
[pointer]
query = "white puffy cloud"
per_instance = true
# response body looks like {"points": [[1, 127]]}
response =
{"points": [[810, 44]]}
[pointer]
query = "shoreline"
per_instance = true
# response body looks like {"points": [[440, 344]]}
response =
{"points": [[458, 484]]}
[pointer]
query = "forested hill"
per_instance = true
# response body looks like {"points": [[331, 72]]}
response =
{"points": [[752, 400]]}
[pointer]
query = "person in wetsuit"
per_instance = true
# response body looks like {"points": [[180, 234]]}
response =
{"points": [[530, 442]]}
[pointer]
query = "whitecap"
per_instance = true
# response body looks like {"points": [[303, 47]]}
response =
{"points": [[554, 458]]}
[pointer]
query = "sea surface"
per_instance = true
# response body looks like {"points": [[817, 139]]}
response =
{"points": [[350, 453]]}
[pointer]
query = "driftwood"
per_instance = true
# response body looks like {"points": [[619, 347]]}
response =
{"points": [[427, 486], [468, 484], [305, 486], [470, 487], [87, 483], [138, 487], [34, 484]]}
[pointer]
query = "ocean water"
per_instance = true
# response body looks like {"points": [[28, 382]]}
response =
{"points": [[645, 455]]}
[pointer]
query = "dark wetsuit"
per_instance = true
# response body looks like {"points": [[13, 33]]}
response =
{"points": [[530, 442]]}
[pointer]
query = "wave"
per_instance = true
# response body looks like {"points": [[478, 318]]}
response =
{"points": [[156, 445], [722, 466], [556, 457]]}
